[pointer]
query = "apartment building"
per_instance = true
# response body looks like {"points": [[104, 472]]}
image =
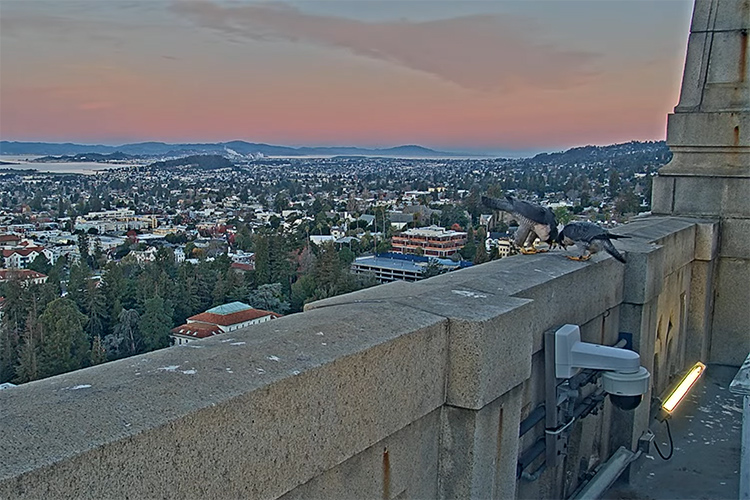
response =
{"points": [[432, 241]]}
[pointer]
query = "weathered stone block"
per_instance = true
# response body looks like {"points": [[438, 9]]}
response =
{"points": [[662, 195], [404, 465], [640, 321], [731, 15], [737, 197], [701, 12], [730, 332], [694, 75], [700, 310], [644, 272], [698, 196], [678, 246], [479, 449], [735, 238], [726, 51], [490, 343], [706, 240], [708, 129]]}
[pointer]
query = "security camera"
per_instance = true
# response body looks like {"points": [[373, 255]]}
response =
{"points": [[623, 377]]}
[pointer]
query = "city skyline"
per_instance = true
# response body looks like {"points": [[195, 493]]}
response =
{"points": [[468, 76]]}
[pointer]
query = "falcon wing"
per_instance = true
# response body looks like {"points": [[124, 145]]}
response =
{"points": [[498, 204], [530, 211], [583, 231]]}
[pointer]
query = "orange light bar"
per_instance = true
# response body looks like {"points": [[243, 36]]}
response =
{"points": [[683, 387]]}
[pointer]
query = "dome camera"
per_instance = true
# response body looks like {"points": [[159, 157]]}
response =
{"points": [[626, 389], [626, 403], [623, 377]]}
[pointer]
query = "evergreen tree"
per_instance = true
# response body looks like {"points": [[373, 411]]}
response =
{"points": [[327, 270], [16, 304], [243, 239], [40, 264], [269, 297], [302, 290], [77, 285], [64, 344], [262, 259], [8, 351], [29, 349], [203, 287], [185, 297], [98, 352], [219, 293], [98, 258], [155, 324], [113, 284], [83, 248], [96, 310], [125, 337]]}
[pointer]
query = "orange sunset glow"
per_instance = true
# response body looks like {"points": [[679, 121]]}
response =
{"points": [[474, 76]]}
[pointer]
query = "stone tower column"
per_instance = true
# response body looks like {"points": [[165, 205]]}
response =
{"points": [[709, 175]]}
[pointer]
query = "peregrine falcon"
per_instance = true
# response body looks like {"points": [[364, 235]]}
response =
{"points": [[591, 238], [534, 221]]}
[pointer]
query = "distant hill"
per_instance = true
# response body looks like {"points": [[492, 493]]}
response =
{"points": [[655, 149], [239, 147], [83, 157], [201, 162]]}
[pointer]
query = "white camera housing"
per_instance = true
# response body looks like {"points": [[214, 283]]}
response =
{"points": [[623, 376]]}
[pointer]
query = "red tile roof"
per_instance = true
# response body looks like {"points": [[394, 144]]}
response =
{"points": [[197, 330], [9, 237], [21, 274], [24, 252], [233, 318]]}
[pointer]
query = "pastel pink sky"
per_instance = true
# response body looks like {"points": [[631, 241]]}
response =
{"points": [[458, 75]]}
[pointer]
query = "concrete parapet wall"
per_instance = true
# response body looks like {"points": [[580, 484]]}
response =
{"points": [[405, 390], [251, 415]]}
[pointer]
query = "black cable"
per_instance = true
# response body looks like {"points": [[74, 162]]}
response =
{"points": [[671, 443]]}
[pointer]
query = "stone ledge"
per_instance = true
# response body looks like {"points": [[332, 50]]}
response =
{"points": [[497, 312], [176, 419]]}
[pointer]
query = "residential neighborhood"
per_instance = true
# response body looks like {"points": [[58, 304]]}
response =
{"points": [[168, 251]]}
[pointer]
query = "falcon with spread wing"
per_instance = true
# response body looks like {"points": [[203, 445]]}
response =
{"points": [[534, 221]]}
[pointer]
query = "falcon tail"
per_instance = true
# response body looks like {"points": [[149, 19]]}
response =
{"points": [[610, 248], [497, 204]]}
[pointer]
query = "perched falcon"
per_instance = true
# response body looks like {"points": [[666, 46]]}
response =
{"points": [[534, 221], [591, 238]]}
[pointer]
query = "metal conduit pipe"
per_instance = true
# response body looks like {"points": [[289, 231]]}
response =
{"points": [[606, 475]]}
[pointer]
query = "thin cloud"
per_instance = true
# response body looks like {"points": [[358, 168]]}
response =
{"points": [[483, 53]]}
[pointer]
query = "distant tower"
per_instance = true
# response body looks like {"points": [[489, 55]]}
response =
{"points": [[709, 175]]}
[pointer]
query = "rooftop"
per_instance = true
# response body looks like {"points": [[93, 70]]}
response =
{"points": [[229, 308]]}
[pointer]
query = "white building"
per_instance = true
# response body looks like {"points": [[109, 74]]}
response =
{"points": [[220, 319]]}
